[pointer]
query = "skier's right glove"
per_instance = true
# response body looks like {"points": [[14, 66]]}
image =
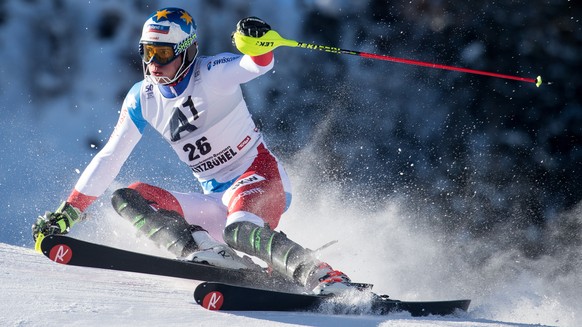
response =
{"points": [[58, 222]]}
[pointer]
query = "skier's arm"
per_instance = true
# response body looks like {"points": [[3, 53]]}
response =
{"points": [[100, 172], [227, 71], [106, 165]]}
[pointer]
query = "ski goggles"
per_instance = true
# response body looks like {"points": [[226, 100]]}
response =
{"points": [[160, 53]]}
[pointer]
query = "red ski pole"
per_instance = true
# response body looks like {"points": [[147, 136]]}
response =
{"points": [[272, 40], [537, 81]]}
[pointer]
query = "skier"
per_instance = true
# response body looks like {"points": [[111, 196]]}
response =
{"points": [[196, 104]]}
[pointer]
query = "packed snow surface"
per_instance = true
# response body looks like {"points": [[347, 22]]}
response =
{"points": [[37, 292]]}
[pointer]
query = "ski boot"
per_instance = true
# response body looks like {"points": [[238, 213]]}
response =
{"points": [[324, 280], [213, 253]]}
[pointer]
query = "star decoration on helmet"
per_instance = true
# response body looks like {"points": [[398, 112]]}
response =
{"points": [[187, 18], [161, 14]]}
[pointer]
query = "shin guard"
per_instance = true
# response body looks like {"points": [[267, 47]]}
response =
{"points": [[166, 228], [279, 252]]}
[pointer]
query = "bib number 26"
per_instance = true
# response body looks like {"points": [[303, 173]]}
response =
{"points": [[200, 147]]}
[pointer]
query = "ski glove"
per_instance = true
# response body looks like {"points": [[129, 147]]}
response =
{"points": [[58, 222], [249, 37], [252, 26]]}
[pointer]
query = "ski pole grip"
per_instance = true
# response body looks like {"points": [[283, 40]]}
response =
{"points": [[256, 46]]}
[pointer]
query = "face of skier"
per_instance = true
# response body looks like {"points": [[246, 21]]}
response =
{"points": [[166, 72]]}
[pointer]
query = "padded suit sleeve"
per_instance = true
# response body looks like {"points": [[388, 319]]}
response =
{"points": [[226, 71], [106, 165]]}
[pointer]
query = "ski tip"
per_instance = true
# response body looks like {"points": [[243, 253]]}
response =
{"points": [[38, 242]]}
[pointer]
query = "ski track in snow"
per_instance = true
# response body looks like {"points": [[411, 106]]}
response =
{"points": [[37, 292]]}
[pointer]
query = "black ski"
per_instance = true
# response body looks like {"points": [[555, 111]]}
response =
{"points": [[67, 250], [220, 296]]}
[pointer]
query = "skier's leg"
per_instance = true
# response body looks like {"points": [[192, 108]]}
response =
{"points": [[198, 209], [165, 227], [286, 257], [205, 210], [158, 217], [255, 203]]}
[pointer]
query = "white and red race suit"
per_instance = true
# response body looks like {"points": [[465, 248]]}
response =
{"points": [[206, 121]]}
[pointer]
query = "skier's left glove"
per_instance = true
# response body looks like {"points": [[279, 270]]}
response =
{"points": [[58, 222], [248, 36], [252, 26]]}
